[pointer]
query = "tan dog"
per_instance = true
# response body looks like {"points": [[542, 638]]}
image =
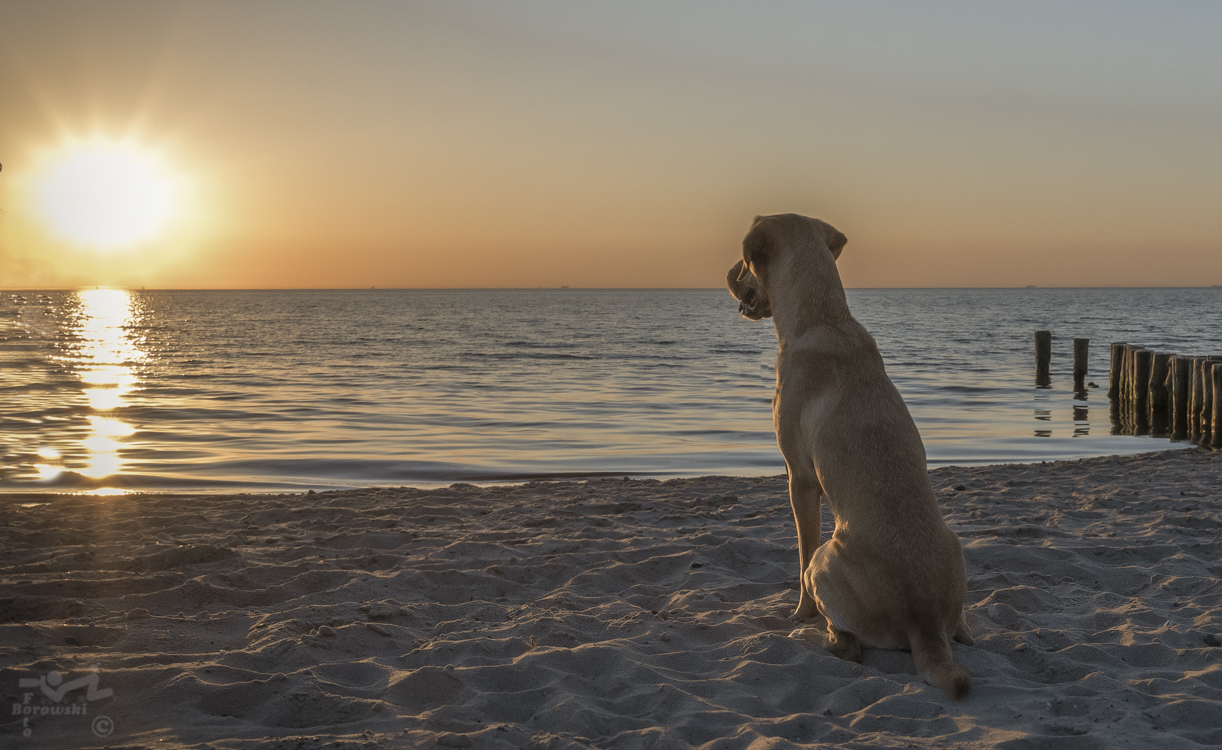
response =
{"points": [[892, 574]]}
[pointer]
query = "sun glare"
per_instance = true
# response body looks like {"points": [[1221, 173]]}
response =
{"points": [[107, 194]]}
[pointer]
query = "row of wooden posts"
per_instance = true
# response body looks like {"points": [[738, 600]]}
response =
{"points": [[1151, 393], [1167, 395]]}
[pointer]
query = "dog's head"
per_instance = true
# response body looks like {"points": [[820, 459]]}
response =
{"points": [[768, 239], [753, 301]]}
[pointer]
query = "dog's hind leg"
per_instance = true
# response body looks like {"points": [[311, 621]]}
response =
{"points": [[805, 496]]}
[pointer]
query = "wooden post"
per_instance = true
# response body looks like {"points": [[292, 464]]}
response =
{"points": [[1158, 395], [1130, 389], [1180, 367], [1196, 393], [1216, 373], [1115, 378], [1141, 391], [1113, 373], [1122, 393], [1207, 400], [1081, 355], [1203, 402], [1043, 356]]}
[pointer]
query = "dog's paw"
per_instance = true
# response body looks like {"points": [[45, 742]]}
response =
{"points": [[845, 645], [963, 635], [813, 636]]}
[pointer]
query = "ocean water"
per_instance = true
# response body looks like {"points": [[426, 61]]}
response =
{"points": [[113, 390]]}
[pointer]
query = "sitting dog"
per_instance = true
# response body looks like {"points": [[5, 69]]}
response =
{"points": [[892, 574]]}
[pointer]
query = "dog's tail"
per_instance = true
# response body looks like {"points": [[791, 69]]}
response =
{"points": [[931, 653]]}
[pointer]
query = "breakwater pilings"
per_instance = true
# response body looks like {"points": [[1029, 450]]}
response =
{"points": [[1167, 395], [1159, 394]]}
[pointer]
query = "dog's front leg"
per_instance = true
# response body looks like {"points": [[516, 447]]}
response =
{"points": [[805, 494]]}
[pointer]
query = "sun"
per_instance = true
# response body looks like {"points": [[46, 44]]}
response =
{"points": [[108, 194]]}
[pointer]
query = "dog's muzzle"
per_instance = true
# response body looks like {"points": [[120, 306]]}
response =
{"points": [[748, 303]]}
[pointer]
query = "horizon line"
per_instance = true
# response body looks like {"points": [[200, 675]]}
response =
{"points": [[537, 288]]}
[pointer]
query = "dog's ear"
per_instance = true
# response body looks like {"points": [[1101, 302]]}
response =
{"points": [[835, 242], [755, 246]]}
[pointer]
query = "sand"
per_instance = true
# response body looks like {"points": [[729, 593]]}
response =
{"points": [[607, 613]]}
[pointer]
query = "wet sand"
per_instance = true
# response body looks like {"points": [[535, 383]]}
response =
{"points": [[606, 613]]}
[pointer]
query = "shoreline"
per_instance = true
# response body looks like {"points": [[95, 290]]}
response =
{"points": [[218, 491], [609, 613]]}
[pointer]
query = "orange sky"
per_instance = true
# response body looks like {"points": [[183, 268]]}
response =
{"points": [[488, 144]]}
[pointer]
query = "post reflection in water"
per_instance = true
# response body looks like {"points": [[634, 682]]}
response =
{"points": [[105, 367], [1048, 405], [1043, 411], [1081, 419]]}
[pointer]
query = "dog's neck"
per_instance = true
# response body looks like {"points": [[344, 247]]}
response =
{"points": [[806, 297]]}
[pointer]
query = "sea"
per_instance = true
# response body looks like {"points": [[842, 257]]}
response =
{"points": [[111, 391]]}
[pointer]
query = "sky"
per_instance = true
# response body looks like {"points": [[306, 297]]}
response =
{"points": [[619, 144]]}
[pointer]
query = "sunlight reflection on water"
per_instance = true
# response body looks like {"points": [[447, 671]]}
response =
{"points": [[103, 360]]}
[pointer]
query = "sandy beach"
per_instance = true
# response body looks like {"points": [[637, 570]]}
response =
{"points": [[607, 613]]}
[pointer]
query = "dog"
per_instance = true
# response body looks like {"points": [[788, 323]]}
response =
{"points": [[892, 574]]}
